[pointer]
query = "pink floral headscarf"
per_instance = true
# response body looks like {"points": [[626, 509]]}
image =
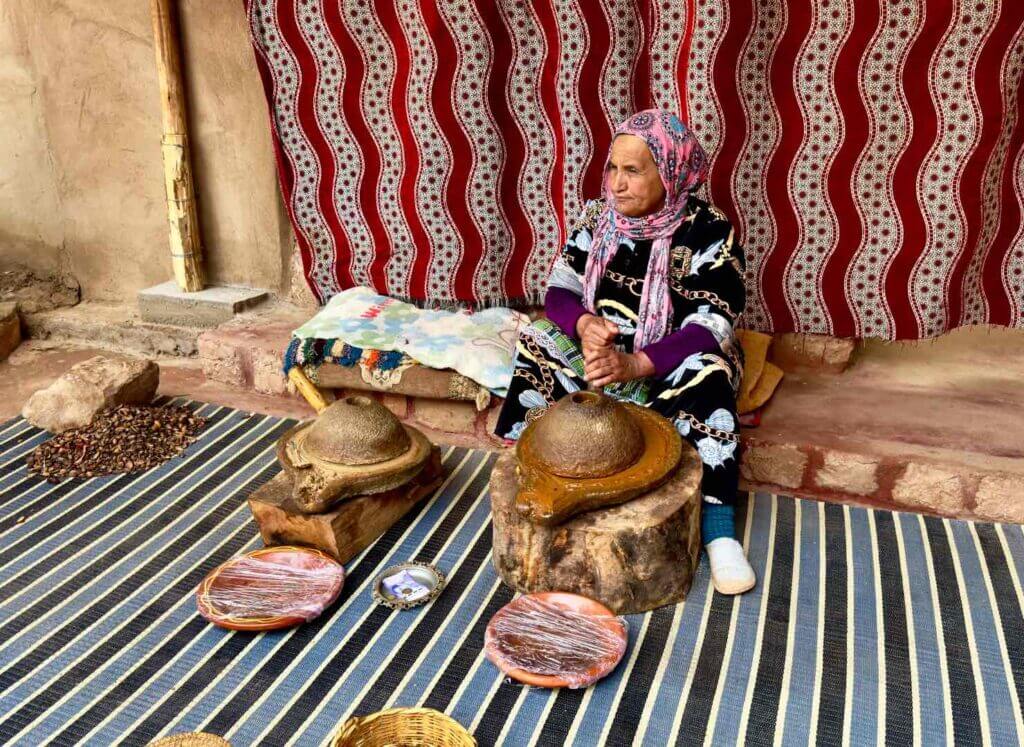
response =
{"points": [[682, 164]]}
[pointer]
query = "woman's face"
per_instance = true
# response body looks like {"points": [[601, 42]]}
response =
{"points": [[633, 178]]}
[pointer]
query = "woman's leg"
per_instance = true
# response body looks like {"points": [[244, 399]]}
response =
{"points": [[548, 365], [700, 400]]}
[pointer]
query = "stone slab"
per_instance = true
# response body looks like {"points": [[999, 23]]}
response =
{"points": [[856, 474], [168, 304], [348, 528], [1001, 498], [775, 464], [930, 487]]}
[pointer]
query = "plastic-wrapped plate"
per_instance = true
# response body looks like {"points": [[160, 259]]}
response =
{"points": [[269, 589], [555, 639]]}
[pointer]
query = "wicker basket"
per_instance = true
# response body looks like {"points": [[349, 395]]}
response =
{"points": [[412, 727], [191, 739]]}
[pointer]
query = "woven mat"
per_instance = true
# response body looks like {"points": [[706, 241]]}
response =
{"points": [[865, 626]]}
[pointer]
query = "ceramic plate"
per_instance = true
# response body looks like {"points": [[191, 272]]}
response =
{"points": [[590, 664], [269, 589]]}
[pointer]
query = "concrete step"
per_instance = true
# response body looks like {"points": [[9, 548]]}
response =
{"points": [[115, 327]]}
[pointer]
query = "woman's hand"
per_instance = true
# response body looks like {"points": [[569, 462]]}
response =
{"points": [[610, 366], [596, 333]]}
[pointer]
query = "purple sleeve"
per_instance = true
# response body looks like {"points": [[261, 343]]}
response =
{"points": [[564, 308], [673, 349]]}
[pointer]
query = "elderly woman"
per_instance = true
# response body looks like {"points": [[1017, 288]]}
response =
{"points": [[641, 302]]}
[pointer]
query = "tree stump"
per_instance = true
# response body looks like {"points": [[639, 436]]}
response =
{"points": [[633, 557], [348, 527]]}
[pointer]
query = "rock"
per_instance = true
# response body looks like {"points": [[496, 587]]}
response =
{"points": [[1000, 498], [73, 400], [10, 329], [773, 464], [818, 353], [34, 292], [931, 488], [850, 473]]}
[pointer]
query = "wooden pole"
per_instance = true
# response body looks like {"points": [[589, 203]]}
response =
{"points": [[186, 248], [307, 389]]}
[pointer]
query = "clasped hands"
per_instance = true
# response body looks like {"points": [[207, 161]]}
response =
{"points": [[602, 363]]}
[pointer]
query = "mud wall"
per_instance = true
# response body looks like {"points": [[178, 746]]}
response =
{"points": [[81, 182]]}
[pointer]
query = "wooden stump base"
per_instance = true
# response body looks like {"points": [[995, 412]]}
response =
{"points": [[349, 527], [632, 558]]}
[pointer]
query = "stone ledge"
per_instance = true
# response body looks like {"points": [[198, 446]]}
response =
{"points": [[907, 482], [417, 381], [248, 353], [168, 304], [112, 327]]}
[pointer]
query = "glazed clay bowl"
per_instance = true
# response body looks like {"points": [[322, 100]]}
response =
{"points": [[270, 589], [505, 650]]}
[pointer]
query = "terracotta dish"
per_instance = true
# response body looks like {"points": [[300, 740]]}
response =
{"points": [[269, 589], [555, 639]]}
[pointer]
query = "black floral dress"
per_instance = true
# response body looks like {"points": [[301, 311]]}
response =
{"points": [[699, 394]]}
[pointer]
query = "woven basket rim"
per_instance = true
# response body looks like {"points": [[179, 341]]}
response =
{"points": [[353, 727], [199, 738]]}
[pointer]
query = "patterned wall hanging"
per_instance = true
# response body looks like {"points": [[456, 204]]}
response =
{"points": [[869, 152]]}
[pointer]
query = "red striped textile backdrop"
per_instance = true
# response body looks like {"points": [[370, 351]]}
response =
{"points": [[869, 151]]}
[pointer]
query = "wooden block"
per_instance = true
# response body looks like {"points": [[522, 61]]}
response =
{"points": [[350, 526], [632, 557]]}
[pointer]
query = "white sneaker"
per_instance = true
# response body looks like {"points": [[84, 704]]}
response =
{"points": [[730, 571]]}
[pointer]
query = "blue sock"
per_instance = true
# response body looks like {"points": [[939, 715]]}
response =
{"points": [[716, 521]]}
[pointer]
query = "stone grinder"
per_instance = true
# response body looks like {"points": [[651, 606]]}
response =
{"points": [[589, 451], [355, 447], [600, 498], [348, 476]]}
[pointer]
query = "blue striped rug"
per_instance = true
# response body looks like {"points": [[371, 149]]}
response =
{"points": [[865, 626]]}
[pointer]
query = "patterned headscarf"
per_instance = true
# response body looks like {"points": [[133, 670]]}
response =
{"points": [[682, 165]]}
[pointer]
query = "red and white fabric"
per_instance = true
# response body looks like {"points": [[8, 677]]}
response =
{"points": [[869, 151]]}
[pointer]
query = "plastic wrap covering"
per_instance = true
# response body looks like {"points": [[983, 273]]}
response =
{"points": [[549, 640], [270, 590]]}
